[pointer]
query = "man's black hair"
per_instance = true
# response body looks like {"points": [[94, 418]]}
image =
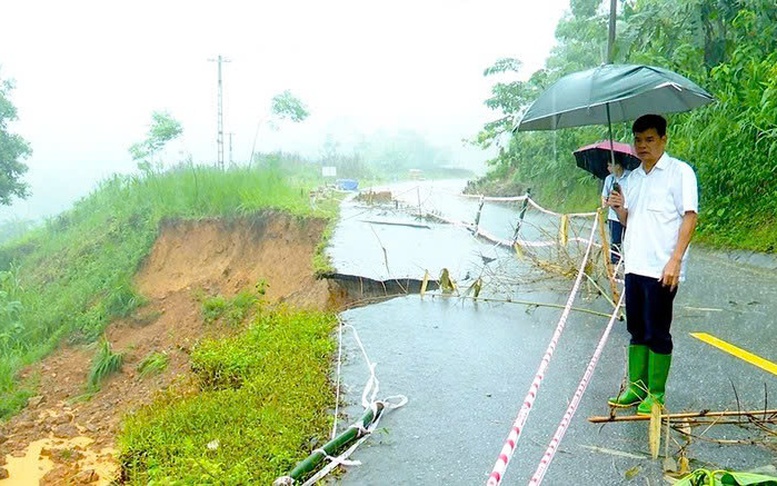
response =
{"points": [[646, 122]]}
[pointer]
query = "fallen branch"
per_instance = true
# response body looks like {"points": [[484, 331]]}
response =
{"points": [[671, 416], [527, 303]]}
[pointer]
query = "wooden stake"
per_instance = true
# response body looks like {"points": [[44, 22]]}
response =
{"points": [[606, 254]]}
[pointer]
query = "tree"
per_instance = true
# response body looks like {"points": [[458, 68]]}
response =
{"points": [[13, 149], [164, 128], [285, 106], [729, 47], [543, 160]]}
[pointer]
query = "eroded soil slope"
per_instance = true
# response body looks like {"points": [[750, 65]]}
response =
{"points": [[63, 439]]}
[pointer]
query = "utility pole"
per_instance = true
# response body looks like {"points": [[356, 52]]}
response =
{"points": [[611, 32], [220, 121], [230, 149]]}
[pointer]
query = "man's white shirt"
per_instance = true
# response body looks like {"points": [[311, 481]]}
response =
{"points": [[656, 203]]}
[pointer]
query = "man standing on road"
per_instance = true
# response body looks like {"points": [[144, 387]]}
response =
{"points": [[659, 209]]}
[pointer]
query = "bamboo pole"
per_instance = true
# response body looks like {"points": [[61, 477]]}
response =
{"points": [[606, 254], [673, 416], [331, 448], [477, 216], [524, 207]]}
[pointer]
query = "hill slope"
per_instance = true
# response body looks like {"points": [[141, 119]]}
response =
{"points": [[59, 436]]}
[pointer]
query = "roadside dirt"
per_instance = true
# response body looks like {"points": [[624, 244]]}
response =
{"points": [[61, 437]]}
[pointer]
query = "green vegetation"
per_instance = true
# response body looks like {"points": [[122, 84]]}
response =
{"points": [[13, 149], [729, 48], [704, 477], [322, 263], [70, 277], [235, 310], [213, 308], [286, 106], [153, 364], [104, 363], [257, 412], [163, 129], [263, 395]]}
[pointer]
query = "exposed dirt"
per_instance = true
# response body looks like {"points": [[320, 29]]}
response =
{"points": [[60, 438]]}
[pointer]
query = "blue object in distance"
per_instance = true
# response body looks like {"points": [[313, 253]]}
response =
{"points": [[347, 184]]}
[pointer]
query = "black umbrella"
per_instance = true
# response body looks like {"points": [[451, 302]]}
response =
{"points": [[612, 93], [595, 157]]}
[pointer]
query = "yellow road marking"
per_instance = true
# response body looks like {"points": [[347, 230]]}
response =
{"points": [[740, 353]]}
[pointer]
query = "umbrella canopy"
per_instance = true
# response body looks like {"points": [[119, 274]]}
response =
{"points": [[611, 93], [595, 157]]}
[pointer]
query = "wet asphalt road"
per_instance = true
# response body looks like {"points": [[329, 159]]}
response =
{"points": [[466, 367]]}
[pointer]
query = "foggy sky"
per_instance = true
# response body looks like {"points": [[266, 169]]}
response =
{"points": [[90, 73]]}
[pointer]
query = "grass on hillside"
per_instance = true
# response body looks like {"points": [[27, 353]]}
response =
{"points": [[256, 413], [153, 364], [68, 279], [234, 311], [104, 363]]}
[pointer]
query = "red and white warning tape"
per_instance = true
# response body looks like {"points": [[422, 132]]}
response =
{"points": [[550, 452], [515, 432]]}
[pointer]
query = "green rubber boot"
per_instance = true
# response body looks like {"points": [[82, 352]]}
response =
{"points": [[638, 376], [658, 371]]}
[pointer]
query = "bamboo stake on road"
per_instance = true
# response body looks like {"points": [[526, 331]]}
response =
{"points": [[606, 254]]}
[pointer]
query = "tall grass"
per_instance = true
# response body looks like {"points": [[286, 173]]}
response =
{"points": [[235, 310], [260, 407], [153, 364], [104, 363], [74, 274]]}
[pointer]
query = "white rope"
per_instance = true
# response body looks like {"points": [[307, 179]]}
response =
{"points": [[508, 243], [337, 378], [529, 244], [373, 385], [371, 389], [495, 198], [339, 460], [552, 213]]}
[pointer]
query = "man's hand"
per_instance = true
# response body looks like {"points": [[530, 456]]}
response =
{"points": [[615, 200], [671, 274]]}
